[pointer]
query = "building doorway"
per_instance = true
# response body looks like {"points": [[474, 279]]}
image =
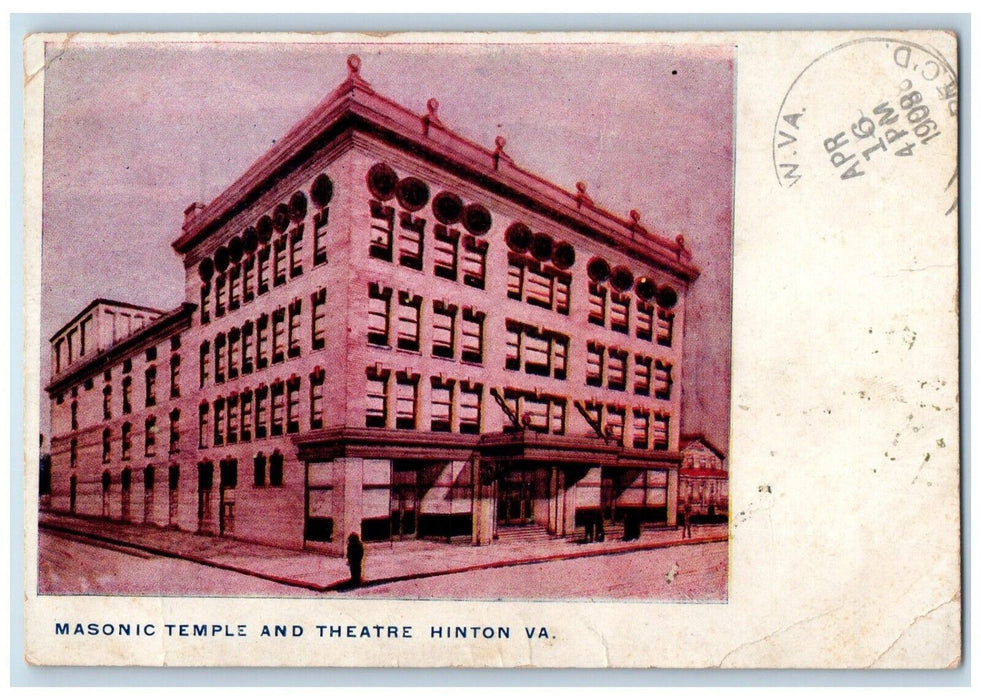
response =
{"points": [[72, 493], [148, 479], [126, 481], [405, 501], [173, 480], [228, 480], [106, 482], [515, 498], [206, 480]]}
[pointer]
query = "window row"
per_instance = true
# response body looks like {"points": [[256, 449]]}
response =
{"points": [[454, 406], [456, 256], [609, 367], [612, 309], [126, 439], [270, 339], [542, 413], [537, 284], [272, 265], [537, 351], [648, 429], [267, 411], [149, 390], [455, 332]]}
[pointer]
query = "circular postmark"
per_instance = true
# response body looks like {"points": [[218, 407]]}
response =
{"points": [[872, 108]]}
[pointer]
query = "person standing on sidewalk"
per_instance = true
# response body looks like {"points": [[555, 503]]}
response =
{"points": [[355, 558], [686, 521]]}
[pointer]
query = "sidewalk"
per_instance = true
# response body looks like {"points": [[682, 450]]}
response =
{"points": [[385, 562]]}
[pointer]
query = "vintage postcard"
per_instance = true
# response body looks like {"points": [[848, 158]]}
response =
{"points": [[496, 350]]}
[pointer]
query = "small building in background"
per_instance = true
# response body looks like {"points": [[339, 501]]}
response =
{"points": [[704, 479]]}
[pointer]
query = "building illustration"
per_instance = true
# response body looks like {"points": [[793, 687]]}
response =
{"points": [[388, 330]]}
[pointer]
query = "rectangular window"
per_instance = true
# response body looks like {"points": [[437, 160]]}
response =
{"points": [[382, 226], [620, 312], [261, 412], [376, 405], [537, 349], [320, 220], [445, 252], [234, 277], [220, 358], [203, 412], [444, 329], [318, 319], [538, 286], [219, 435], [262, 270], [597, 304], [472, 335], [474, 261], [150, 437], [516, 277], [616, 369], [512, 357], [642, 375], [615, 418], [558, 416], [406, 401], [642, 429], [234, 338], [594, 363], [441, 405], [662, 380], [106, 446], [175, 433], [278, 407], [231, 431], [661, 426], [259, 470], [560, 356], [248, 279], [293, 405], [665, 327], [205, 306], [248, 347], [127, 395], [106, 403], [562, 285], [535, 413], [296, 251], [411, 237], [644, 322], [151, 386], [293, 332], [220, 296], [470, 400], [175, 376], [279, 335], [317, 378], [246, 413], [410, 314], [126, 444], [279, 261], [262, 342], [379, 303]]}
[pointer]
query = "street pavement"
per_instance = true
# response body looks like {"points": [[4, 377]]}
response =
{"points": [[385, 563]]}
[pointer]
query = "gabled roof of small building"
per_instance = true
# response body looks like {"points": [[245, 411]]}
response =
{"points": [[689, 439], [355, 105]]}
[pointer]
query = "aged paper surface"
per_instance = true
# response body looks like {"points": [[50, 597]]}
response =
{"points": [[626, 350]]}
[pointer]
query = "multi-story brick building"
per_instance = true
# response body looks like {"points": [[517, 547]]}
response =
{"points": [[390, 330]]}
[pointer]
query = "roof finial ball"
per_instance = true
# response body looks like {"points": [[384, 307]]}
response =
{"points": [[500, 142], [354, 64], [635, 216], [433, 106], [581, 196], [581, 187]]}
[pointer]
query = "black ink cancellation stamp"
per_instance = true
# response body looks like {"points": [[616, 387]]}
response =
{"points": [[873, 109]]}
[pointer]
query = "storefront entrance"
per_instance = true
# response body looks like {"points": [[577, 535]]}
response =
{"points": [[515, 498]]}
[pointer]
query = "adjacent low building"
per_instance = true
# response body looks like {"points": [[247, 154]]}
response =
{"points": [[388, 330]]}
